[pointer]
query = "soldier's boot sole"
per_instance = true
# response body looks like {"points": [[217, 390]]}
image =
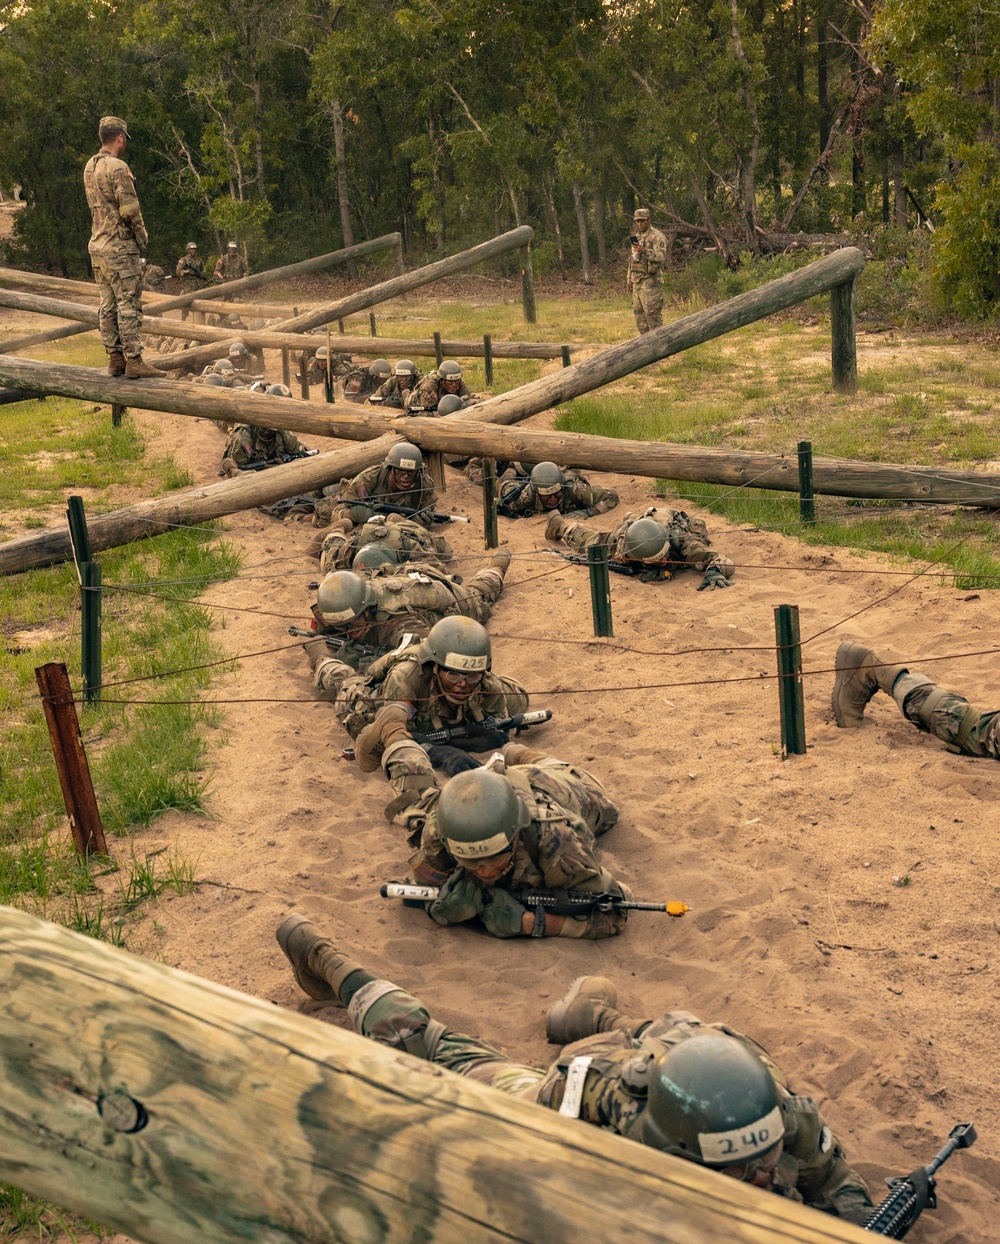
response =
{"points": [[578, 1014], [136, 369], [319, 967], [116, 363], [854, 685]]}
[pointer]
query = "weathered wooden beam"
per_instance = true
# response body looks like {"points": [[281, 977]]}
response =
{"points": [[9, 396], [13, 344], [177, 1111], [844, 338], [411, 280]]}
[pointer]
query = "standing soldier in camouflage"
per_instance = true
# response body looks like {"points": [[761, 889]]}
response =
{"points": [[652, 549], [190, 265], [549, 488], [647, 256], [230, 266], [965, 728], [117, 236], [153, 276], [702, 1092]]}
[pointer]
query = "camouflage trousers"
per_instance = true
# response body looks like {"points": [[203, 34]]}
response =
{"points": [[120, 315], [687, 547], [647, 302], [409, 540], [952, 719]]}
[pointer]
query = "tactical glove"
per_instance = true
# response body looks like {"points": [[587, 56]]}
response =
{"points": [[361, 514], [458, 900], [503, 915], [713, 579], [450, 760]]}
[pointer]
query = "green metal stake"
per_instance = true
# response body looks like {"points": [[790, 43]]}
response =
{"points": [[90, 629], [116, 414], [488, 357], [79, 537], [490, 503], [371, 323], [600, 589], [565, 356], [438, 353], [793, 717], [807, 504]]}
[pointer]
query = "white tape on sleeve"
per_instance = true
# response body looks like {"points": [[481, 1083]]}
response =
{"points": [[576, 1078]]}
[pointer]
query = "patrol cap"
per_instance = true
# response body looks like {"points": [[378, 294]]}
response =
{"points": [[405, 457], [113, 123], [641, 213]]}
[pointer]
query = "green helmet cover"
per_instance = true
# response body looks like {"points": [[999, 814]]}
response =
{"points": [[344, 595], [380, 369], [547, 478], [405, 457], [711, 1100], [279, 390], [214, 380], [404, 367], [645, 539], [374, 554], [457, 643], [449, 404], [450, 370], [478, 814]]}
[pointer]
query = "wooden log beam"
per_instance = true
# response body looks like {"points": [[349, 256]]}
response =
{"points": [[177, 1111], [371, 297], [8, 397], [13, 344]]}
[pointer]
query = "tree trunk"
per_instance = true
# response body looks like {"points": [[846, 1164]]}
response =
{"points": [[707, 218], [602, 248], [347, 233], [898, 186], [438, 194], [822, 93], [581, 220], [550, 198], [858, 196], [258, 116], [885, 189], [749, 171]]}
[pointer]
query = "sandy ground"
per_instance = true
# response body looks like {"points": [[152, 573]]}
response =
{"points": [[880, 1000]]}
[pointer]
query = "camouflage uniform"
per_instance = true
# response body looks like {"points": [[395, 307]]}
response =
{"points": [[812, 1168], [409, 540], [426, 395], [190, 266], [153, 276], [965, 728], [248, 443], [373, 485], [117, 236], [645, 279], [689, 542], [519, 500], [230, 267], [563, 811], [473, 469], [340, 365], [359, 384], [392, 392]]}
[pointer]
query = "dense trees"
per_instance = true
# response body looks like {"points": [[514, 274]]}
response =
{"points": [[294, 124]]}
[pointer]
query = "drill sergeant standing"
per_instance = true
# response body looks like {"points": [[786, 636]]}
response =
{"points": [[702, 1092], [652, 548], [547, 488]]}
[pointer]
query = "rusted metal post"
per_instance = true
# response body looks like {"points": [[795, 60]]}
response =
{"points": [[488, 357], [71, 760]]}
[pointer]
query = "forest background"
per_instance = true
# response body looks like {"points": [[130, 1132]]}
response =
{"points": [[300, 125]]}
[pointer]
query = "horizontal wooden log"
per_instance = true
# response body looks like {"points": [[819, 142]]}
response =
{"points": [[501, 245], [8, 397], [13, 344], [178, 1111]]}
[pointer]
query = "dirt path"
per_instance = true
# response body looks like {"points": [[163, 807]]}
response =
{"points": [[880, 1000]]}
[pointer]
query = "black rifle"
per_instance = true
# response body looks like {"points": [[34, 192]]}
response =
{"points": [[280, 460], [558, 902], [501, 725], [387, 507], [503, 507], [337, 643], [905, 1203], [615, 567]]}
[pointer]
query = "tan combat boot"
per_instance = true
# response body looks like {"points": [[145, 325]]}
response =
{"points": [[116, 363], [500, 560], [578, 1015], [136, 369], [556, 525], [860, 673], [521, 754], [390, 725], [317, 650], [319, 967]]}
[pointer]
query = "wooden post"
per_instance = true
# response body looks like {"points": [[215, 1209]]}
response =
{"points": [[340, 325], [600, 589], [843, 338], [79, 535], [371, 323], [304, 375], [117, 412], [488, 357], [807, 505], [528, 287], [71, 760], [398, 253], [328, 371], [286, 368], [178, 1111], [435, 467], [490, 532], [565, 356], [793, 717], [90, 631], [438, 355]]}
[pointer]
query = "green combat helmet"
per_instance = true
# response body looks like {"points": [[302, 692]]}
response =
{"points": [[238, 350], [405, 457], [343, 595], [449, 404], [373, 555], [404, 367], [459, 644], [646, 540], [711, 1100], [223, 367], [450, 370], [380, 370], [478, 814], [215, 381], [279, 390], [547, 479], [322, 354]]}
